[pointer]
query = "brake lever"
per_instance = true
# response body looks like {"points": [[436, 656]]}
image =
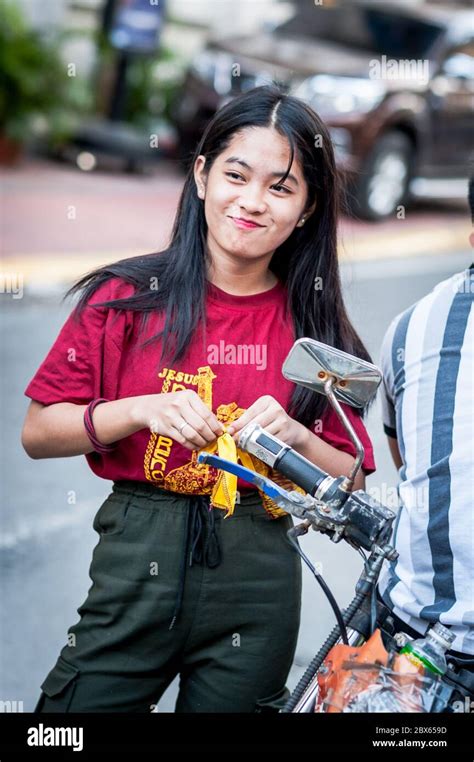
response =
{"points": [[292, 502]]}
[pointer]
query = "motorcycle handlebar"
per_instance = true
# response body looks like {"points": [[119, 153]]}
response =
{"points": [[280, 456]]}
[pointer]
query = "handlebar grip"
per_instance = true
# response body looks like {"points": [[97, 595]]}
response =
{"points": [[300, 471], [281, 457]]}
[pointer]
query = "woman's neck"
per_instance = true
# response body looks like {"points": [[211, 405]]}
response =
{"points": [[245, 288], [243, 283]]}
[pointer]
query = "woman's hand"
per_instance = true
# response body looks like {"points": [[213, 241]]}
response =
{"points": [[182, 415], [273, 418]]}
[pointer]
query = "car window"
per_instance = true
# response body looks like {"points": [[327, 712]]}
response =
{"points": [[460, 62], [365, 28]]}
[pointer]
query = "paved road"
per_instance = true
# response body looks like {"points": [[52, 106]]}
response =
{"points": [[47, 539]]}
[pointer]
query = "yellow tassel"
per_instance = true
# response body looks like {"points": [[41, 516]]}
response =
{"points": [[224, 492]]}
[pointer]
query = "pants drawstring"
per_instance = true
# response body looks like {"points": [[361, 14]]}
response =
{"points": [[196, 546]]}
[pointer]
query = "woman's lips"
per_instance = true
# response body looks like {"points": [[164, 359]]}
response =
{"points": [[244, 224]]}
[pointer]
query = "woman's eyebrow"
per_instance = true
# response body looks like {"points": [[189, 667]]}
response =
{"points": [[243, 163]]}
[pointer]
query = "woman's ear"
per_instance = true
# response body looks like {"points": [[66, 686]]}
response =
{"points": [[199, 176], [305, 215]]}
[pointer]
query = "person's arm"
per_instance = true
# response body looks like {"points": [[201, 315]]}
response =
{"points": [[271, 416], [58, 431], [327, 457], [395, 452], [389, 416]]}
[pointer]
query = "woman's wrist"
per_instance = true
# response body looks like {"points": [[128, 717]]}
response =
{"points": [[117, 419], [134, 412], [301, 438], [137, 412]]}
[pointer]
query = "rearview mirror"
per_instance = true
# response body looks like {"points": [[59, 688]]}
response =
{"points": [[310, 363]]}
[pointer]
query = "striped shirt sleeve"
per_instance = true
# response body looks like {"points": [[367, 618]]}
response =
{"points": [[387, 387]]}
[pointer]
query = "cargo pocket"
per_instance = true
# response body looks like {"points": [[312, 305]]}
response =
{"points": [[110, 518], [273, 703], [59, 686]]}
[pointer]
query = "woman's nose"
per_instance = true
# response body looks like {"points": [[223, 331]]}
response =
{"points": [[252, 201]]}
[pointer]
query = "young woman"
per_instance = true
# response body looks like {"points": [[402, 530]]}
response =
{"points": [[163, 355]]}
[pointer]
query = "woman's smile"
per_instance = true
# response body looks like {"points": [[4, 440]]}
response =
{"points": [[244, 224]]}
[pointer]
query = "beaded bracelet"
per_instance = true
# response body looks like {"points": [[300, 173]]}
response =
{"points": [[89, 425]]}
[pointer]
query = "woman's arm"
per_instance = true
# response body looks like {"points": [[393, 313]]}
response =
{"points": [[58, 431], [327, 457], [273, 418]]}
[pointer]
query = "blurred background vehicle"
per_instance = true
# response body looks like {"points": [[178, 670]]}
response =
{"points": [[131, 31], [86, 81], [394, 81]]}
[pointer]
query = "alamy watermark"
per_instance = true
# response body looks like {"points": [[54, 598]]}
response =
{"points": [[48, 736], [400, 68], [12, 283], [237, 354], [11, 706], [465, 705]]}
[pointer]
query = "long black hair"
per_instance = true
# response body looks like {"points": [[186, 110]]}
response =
{"points": [[308, 254]]}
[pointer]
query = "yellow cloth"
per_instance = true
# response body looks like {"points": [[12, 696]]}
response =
{"points": [[224, 492]]}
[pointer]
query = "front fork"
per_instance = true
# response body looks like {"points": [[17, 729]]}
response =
{"points": [[306, 693]]}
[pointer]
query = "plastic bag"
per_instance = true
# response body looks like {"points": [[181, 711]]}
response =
{"points": [[368, 678]]}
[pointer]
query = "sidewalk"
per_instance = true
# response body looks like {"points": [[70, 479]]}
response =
{"points": [[59, 223]]}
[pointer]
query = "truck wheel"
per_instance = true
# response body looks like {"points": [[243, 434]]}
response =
{"points": [[384, 181]]}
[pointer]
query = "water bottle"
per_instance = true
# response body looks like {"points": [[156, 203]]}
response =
{"points": [[403, 691], [429, 652]]}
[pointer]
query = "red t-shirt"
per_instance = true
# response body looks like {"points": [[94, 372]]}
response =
{"points": [[247, 340]]}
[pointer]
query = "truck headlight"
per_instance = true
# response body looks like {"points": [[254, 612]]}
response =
{"points": [[329, 94]]}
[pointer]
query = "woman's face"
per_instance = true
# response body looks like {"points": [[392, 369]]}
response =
{"points": [[242, 184]]}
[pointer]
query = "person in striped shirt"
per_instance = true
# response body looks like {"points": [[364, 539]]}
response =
{"points": [[428, 413]]}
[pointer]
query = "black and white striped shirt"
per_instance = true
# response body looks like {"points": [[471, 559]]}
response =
{"points": [[428, 366]]}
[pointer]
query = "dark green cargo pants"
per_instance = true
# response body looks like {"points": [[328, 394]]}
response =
{"points": [[179, 590]]}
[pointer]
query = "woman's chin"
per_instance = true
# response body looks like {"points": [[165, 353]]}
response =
{"points": [[242, 252]]}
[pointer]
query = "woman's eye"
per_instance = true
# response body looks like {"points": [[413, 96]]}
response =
{"points": [[278, 188]]}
